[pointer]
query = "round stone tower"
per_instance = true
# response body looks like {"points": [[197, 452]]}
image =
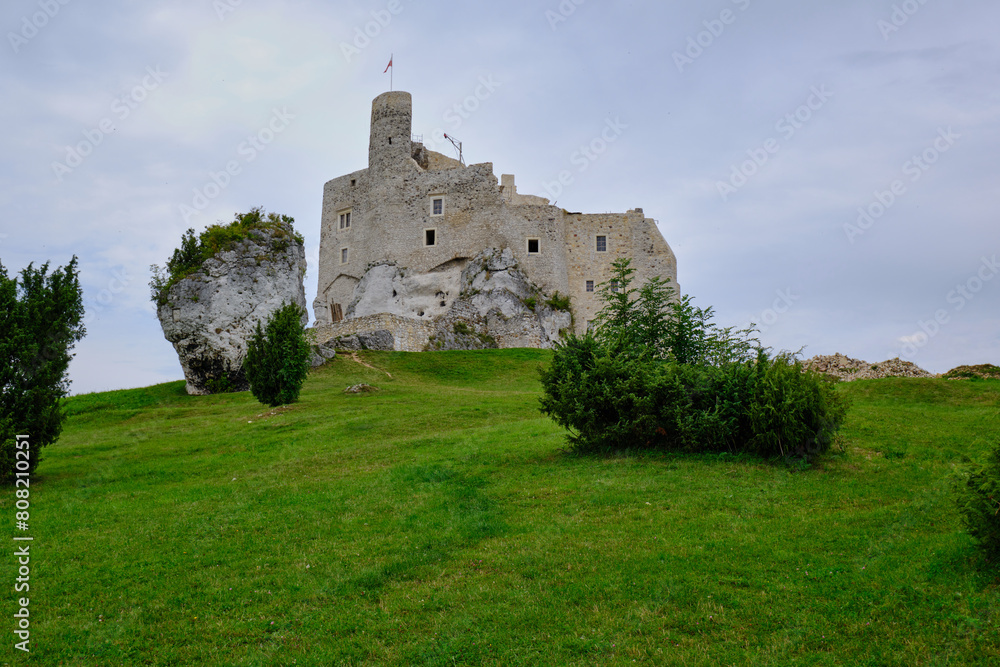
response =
{"points": [[392, 121]]}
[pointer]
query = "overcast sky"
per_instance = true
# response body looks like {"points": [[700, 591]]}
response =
{"points": [[826, 169]]}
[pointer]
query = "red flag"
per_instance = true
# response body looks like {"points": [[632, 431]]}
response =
{"points": [[387, 66]]}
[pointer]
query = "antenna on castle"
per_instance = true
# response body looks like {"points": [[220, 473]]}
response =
{"points": [[458, 146]]}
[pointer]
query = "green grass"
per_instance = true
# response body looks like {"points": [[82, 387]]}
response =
{"points": [[440, 521]]}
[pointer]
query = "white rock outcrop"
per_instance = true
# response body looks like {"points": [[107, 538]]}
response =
{"points": [[210, 315], [486, 301]]}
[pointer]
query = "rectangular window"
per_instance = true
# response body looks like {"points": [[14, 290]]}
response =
{"points": [[532, 246], [343, 255], [345, 219], [590, 285], [430, 237], [437, 206], [614, 285], [602, 244]]}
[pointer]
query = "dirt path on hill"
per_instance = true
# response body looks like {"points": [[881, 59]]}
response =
{"points": [[354, 356]]}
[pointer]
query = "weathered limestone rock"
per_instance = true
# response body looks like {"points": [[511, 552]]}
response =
{"points": [[483, 302], [320, 354], [514, 310], [380, 339], [386, 288], [210, 315]]}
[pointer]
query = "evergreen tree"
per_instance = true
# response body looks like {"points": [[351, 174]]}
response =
{"points": [[41, 319], [656, 373], [277, 360]]}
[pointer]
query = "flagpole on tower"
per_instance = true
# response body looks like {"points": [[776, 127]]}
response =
{"points": [[388, 68]]}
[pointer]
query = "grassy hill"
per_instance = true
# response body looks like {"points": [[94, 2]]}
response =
{"points": [[439, 521]]}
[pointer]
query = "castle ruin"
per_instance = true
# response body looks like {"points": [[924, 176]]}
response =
{"points": [[424, 217]]}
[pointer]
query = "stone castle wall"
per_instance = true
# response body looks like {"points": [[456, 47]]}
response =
{"points": [[391, 208], [407, 334]]}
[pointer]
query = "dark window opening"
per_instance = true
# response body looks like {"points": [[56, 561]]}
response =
{"points": [[430, 237], [437, 207], [390, 141], [614, 285], [602, 244], [354, 182], [590, 285], [532, 246]]}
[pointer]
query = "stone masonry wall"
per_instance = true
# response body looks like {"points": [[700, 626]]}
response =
{"points": [[407, 333]]}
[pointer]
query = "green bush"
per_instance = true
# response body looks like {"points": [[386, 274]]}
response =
{"points": [[41, 319], [196, 250], [979, 502], [767, 407], [277, 360], [655, 373], [558, 302]]}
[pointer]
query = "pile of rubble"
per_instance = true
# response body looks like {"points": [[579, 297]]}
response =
{"points": [[845, 368]]}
